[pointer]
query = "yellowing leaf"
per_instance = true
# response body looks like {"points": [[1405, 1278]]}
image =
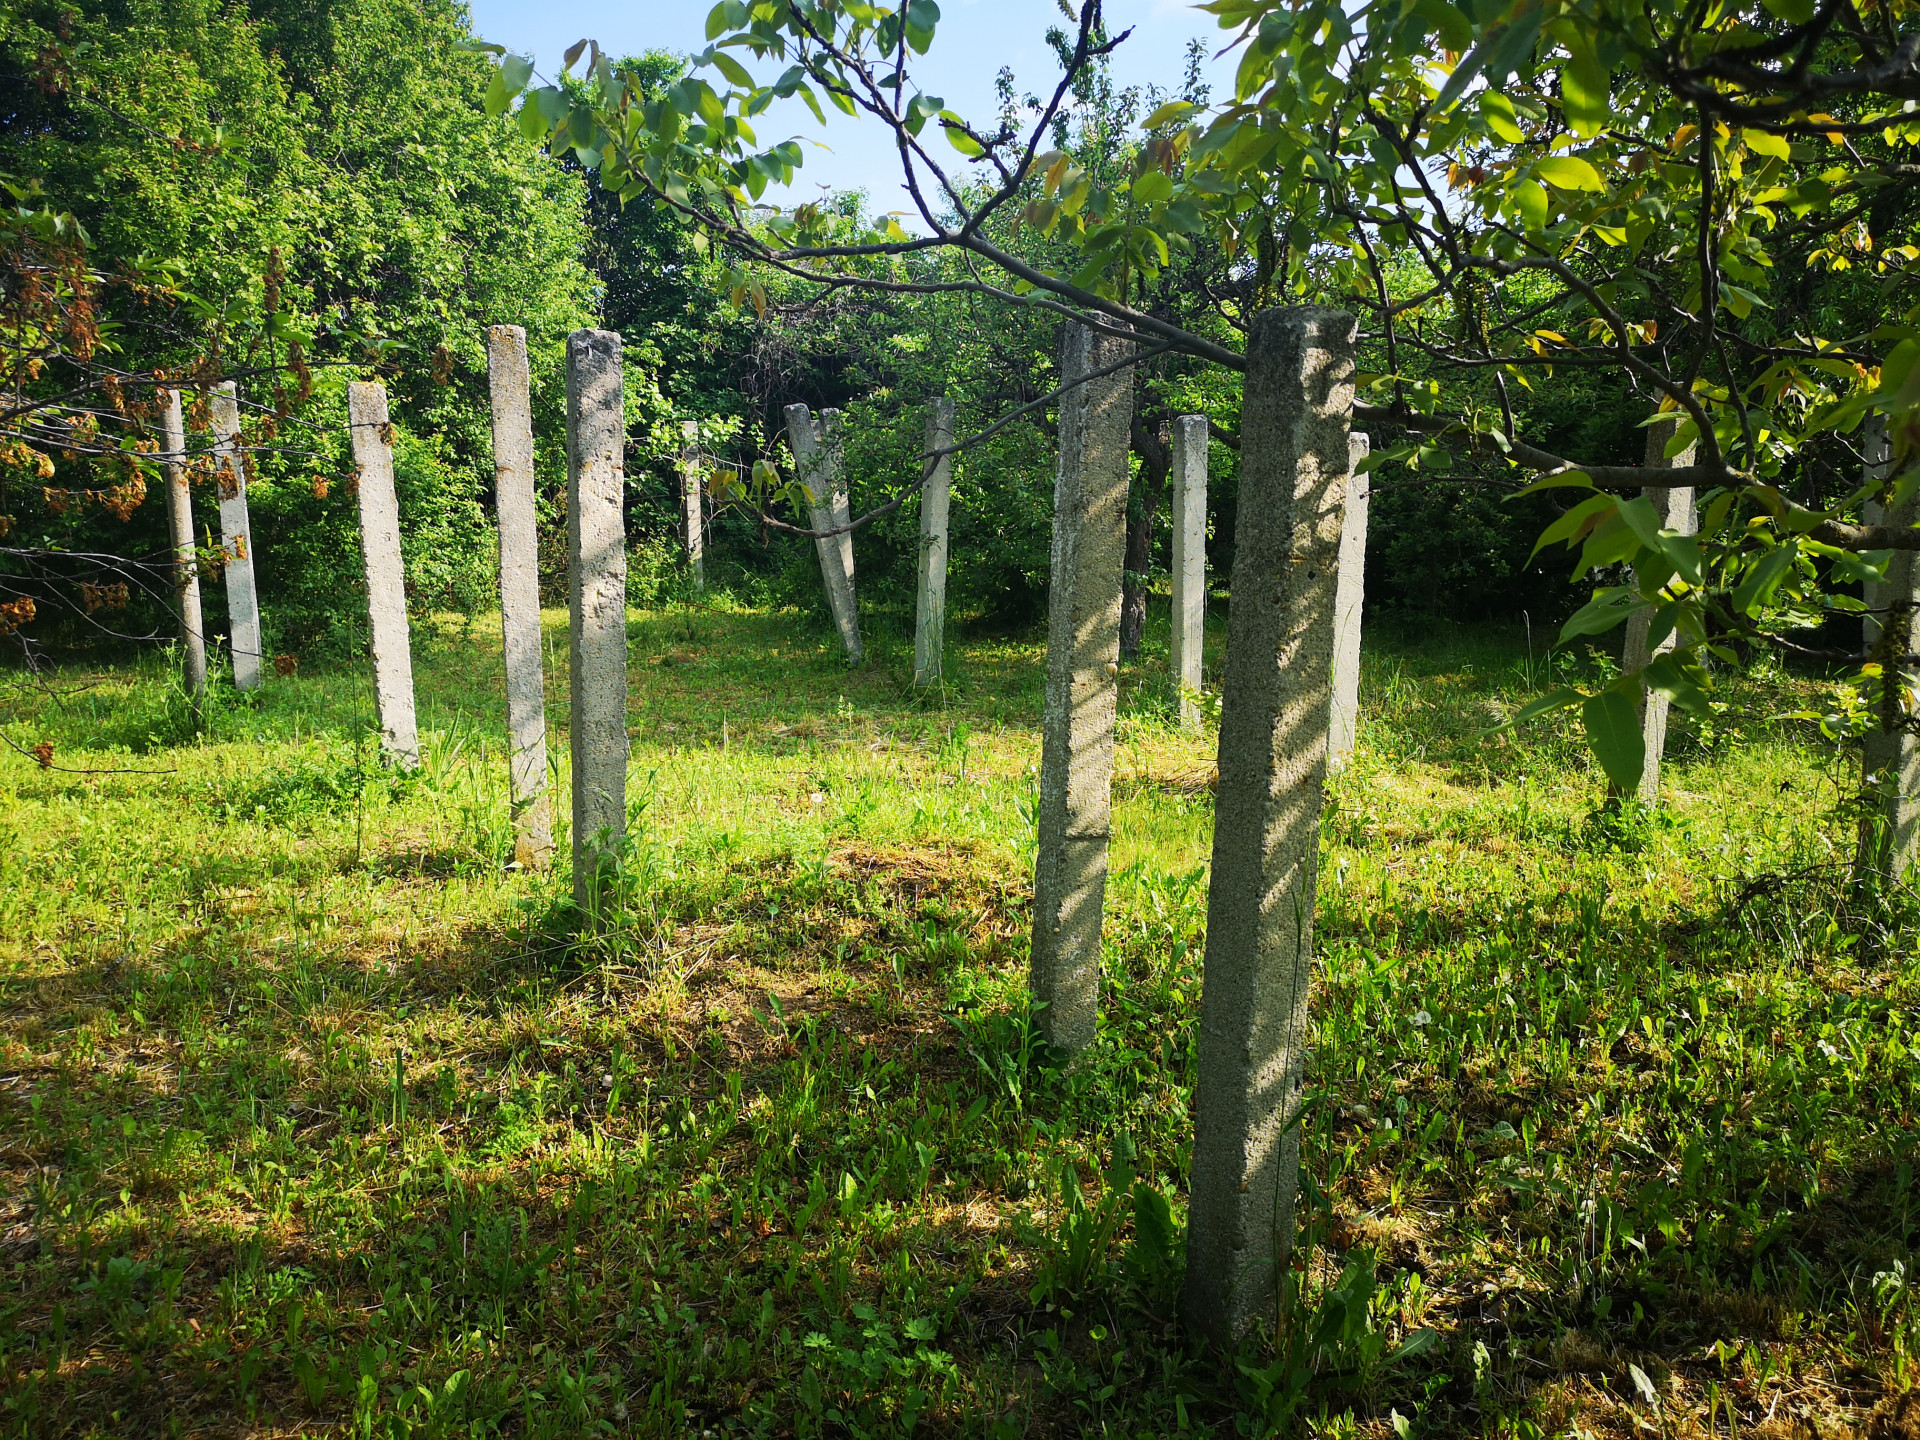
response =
{"points": [[1569, 172], [1761, 143]]}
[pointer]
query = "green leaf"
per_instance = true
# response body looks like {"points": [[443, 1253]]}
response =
{"points": [[518, 69], [1569, 172], [1605, 610], [1673, 678], [717, 21], [959, 139], [1570, 526], [1471, 64], [1497, 110], [1533, 203], [730, 67], [1563, 698], [1454, 29], [1584, 86], [1152, 187], [1172, 110], [1764, 579], [1794, 12], [1762, 143], [1613, 730], [497, 99], [533, 125]]}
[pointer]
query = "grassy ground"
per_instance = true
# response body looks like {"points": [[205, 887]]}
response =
{"points": [[315, 1121]]}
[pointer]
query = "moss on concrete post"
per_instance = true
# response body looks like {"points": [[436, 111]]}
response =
{"points": [[1275, 704]]}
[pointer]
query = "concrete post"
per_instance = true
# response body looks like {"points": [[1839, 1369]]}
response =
{"points": [[1876, 455], [531, 805], [236, 538], [1890, 760], [817, 449], [1674, 507], [186, 574], [1189, 561], [1349, 599], [386, 576], [1083, 654], [597, 546], [930, 599], [1276, 700], [691, 485]]}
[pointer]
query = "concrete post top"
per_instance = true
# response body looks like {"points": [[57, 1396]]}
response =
{"points": [[367, 399], [506, 335], [584, 343], [1316, 320]]}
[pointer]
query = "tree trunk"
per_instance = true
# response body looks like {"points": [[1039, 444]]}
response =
{"points": [[1149, 489]]}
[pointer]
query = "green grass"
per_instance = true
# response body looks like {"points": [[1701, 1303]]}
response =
{"points": [[316, 1121]]}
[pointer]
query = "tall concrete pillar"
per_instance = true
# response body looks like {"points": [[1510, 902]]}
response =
{"points": [[186, 574], [530, 804], [1349, 600], [1276, 699], [1674, 507], [1082, 695], [386, 575], [818, 448], [1189, 561], [1890, 760], [236, 538], [692, 485], [930, 598], [597, 547]]}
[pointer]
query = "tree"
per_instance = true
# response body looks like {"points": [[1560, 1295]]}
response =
{"points": [[321, 187], [1707, 202]]}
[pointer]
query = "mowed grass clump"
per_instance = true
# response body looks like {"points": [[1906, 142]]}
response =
{"points": [[320, 1121]]}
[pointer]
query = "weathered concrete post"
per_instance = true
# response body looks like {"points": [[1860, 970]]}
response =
{"points": [[1876, 455], [386, 575], [1273, 760], [691, 485], [1082, 696], [1890, 759], [817, 449], [236, 538], [186, 574], [930, 598], [1189, 561], [1349, 599], [531, 805], [597, 544], [1674, 507]]}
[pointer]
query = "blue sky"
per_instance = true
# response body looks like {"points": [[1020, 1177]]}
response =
{"points": [[975, 39]]}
